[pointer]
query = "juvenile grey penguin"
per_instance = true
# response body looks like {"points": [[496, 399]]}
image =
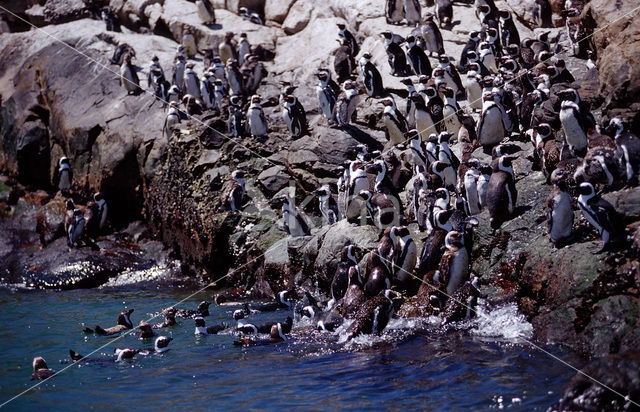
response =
{"points": [[233, 194], [412, 12], [76, 229], [501, 191], [432, 36], [394, 11], [602, 215], [206, 12], [101, 203], [256, 118], [129, 77], [559, 210], [444, 12], [226, 48], [328, 205]]}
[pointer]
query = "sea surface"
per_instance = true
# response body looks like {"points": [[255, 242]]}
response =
{"points": [[476, 365]]}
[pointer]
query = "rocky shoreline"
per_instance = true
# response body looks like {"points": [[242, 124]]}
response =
{"points": [[163, 194]]}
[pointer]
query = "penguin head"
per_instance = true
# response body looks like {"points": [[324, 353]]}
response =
{"points": [[412, 134], [441, 193], [454, 239], [238, 174], [203, 308], [323, 191], [423, 79], [70, 205], [386, 102], [376, 167], [448, 92], [308, 311], [145, 329], [615, 127], [472, 56], [341, 26], [484, 9], [513, 50], [474, 35], [437, 72], [387, 35], [63, 160], [487, 96], [441, 219], [276, 333], [349, 84], [238, 314], [569, 95], [235, 100], [161, 343], [366, 195], [39, 363], [255, 99], [504, 14], [284, 297], [492, 33], [586, 189], [97, 197], [411, 41], [366, 56], [544, 130], [559, 178], [444, 137], [229, 35], [443, 59], [543, 37], [124, 318], [199, 322], [289, 99], [407, 82], [124, 354]]}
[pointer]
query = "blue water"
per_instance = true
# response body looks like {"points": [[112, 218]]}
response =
{"points": [[408, 367]]}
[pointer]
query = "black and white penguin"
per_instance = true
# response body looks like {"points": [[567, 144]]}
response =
{"points": [[191, 81], [237, 122], [111, 19], [452, 76], [294, 117], [294, 223], [252, 16], [371, 77], [435, 107], [472, 45], [445, 172], [453, 269], [470, 182], [418, 60], [628, 146], [573, 121], [377, 275], [432, 36], [394, 121], [508, 31], [487, 57], [433, 247], [444, 12], [203, 329], [343, 62], [202, 310], [501, 194], [394, 11], [559, 210], [326, 97], [219, 93], [418, 155], [602, 215], [178, 72], [424, 122], [75, 233], [173, 118], [444, 151], [233, 194], [101, 204], [234, 77], [396, 56], [129, 77], [405, 257], [358, 181], [451, 111], [154, 67], [206, 12], [256, 118], [349, 38], [192, 105], [282, 301], [207, 92], [354, 297], [340, 282], [383, 183], [381, 207], [491, 125], [63, 177], [345, 108], [372, 316], [412, 12], [40, 369], [473, 87], [123, 323], [328, 205], [173, 94], [542, 13]]}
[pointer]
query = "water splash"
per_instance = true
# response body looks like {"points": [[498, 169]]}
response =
{"points": [[502, 322]]}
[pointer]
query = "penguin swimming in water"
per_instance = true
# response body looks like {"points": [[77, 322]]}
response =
{"points": [[294, 117], [40, 369], [129, 77], [256, 118], [75, 233], [203, 329], [501, 194], [328, 205], [602, 215], [371, 77], [559, 211], [123, 323]]}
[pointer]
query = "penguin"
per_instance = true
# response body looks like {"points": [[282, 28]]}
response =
{"points": [[282, 301], [453, 269], [253, 17], [244, 49], [294, 117], [327, 321], [628, 147], [396, 56], [445, 172], [462, 304], [600, 165], [219, 93], [383, 183], [546, 149], [354, 296], [541, 13], [450, 112], [358, 181], [341, 279], [160, 345], [349, 39], [233, 194], [573, 122], [178, 72], [418, 60], [207, 92], [418, 155], [169, 319], [491, 125], [234, 78], [294, 224], [405, 257], [372, 317], [371, 77], [64, 175], [237, 119], [202, 310], [471, 45], [154, 67], [483, 184], [501, 194], [602, 216], [192, 105], [206, 11], [394, 121], [444, 12], [75, 233], [433, 247], [377, 275], [173, 94], [432, 36], [423, 121], [191, 81], [470, 181], [173, 117], [346, 104], [217, 67], [508, 31], [381, 207], [226, 49], [559, 211], [326, 96], [203, 329], [328, 205], [563, 74], [101, 204], [473, 88], [343, 62], [452, 76], [129, 77], [412, 12], [487, 57], [145, 330], [444, 152], [40, 369], [435, 107], [123, 323], [474, 57], [394, 11], [189, 43], [256, 118]]}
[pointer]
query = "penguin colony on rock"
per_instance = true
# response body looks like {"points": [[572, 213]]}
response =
{"points": [[519, 88]]}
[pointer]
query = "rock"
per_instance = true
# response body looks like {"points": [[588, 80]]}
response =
{"points": [[50, 220], [273, 179], [278, 10], [35, 14], [298, 17], [626, 202], [621, 373], [63, 11]]}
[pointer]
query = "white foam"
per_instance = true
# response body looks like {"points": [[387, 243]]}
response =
{"points": [[501, 322]]}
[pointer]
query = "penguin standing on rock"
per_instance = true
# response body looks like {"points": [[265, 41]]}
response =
{"points": [[501, 192], [396, 56], [405, 257], [256, 118], [417, 58], [294, 223], [444, 12], [206, 11], [491, 125], [328, 205], [381, 209], [237, 122], [628, 147], [226, 49], [340, 282], [191, 81], [349, 39], [75, 232], [394, 121], [574, 123], [412, 12], [294, 117], [432, 36], [173, 117], [178, 73], [343, 62], [189, 43], [508, 31], [233, 194], [326, 96], [129, 77], [602, 215], [394, 12], [371, 77], [559, 210], [345, 108], [64, 175], [472, 45]]}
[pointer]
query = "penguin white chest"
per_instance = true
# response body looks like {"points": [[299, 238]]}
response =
{"points": [[561, 217], [458, 270], [492, 131], [257, 126], [471, 190], [573, 132]]}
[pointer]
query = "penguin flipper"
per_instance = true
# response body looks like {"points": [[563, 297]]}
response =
{"points": [[75, 356], [100, 331]]}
